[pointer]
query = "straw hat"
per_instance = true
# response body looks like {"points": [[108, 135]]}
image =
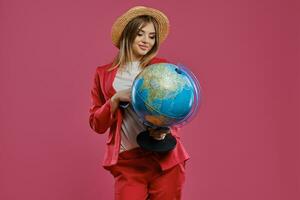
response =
{"points": [[136, 11]]}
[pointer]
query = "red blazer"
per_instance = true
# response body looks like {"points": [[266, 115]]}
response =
{"points": [[101, 120]]}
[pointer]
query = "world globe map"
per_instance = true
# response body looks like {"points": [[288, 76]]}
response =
{"points": [[162, 95]]}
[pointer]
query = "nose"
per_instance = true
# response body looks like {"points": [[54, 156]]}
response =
{"points": [[145, 39]]}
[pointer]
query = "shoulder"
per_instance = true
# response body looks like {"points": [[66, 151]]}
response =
{"points": [[100, 69]]}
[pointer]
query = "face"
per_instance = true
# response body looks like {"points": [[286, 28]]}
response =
{"points": [[144, 41]]}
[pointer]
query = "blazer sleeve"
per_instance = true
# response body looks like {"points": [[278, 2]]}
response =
{"points": [[100, 116]]}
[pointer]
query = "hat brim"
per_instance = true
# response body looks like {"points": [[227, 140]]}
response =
{"points": [[149, 143], [124, 19]]}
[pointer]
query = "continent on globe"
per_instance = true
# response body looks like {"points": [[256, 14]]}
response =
{"points": [[162, 95]]}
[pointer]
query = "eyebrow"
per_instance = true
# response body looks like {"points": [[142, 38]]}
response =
{"points": [[144, 31]]}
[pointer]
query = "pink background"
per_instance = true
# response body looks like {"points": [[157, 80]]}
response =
{"points": [[244, 142]]}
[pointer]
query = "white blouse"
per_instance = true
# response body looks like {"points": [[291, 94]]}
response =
{"points": [[131, 125]]}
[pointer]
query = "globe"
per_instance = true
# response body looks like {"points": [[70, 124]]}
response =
{"points": [[164, 94]]}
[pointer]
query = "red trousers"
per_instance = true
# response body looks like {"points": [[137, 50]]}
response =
{"points": [[138, 176]]}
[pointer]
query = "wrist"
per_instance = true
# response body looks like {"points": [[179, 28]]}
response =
{"points": [[115, 99]]}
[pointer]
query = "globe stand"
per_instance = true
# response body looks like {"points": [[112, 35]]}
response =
{"points": [[149, 143]]}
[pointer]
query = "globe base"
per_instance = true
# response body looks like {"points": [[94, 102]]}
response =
{"points": [[149, 143]]}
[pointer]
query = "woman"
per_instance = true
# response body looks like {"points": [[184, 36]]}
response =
{"points": [[139, 174]]}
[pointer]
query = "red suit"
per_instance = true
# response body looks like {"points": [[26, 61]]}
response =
{"points": [[101, 120]]}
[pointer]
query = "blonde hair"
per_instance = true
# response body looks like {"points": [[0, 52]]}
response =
{"points": [[127, 38]]}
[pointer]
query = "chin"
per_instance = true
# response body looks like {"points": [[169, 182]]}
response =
{"points": [[140, 51], [143, 54]]}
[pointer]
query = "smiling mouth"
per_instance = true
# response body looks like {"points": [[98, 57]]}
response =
{"points": [[143, 47]]}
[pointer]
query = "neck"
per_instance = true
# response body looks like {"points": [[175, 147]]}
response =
{"points": [[136, 58]]}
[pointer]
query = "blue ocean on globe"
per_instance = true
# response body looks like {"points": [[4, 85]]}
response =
{"points": [[162, 95]]}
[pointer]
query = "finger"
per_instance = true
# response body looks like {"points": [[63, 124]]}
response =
{"points": [[161, 137], [155, 133], [161, 132], [158, 132], [126, 98]]}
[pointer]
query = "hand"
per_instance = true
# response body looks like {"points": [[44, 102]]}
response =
{"points": [[158, 134], [122, 95]]}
